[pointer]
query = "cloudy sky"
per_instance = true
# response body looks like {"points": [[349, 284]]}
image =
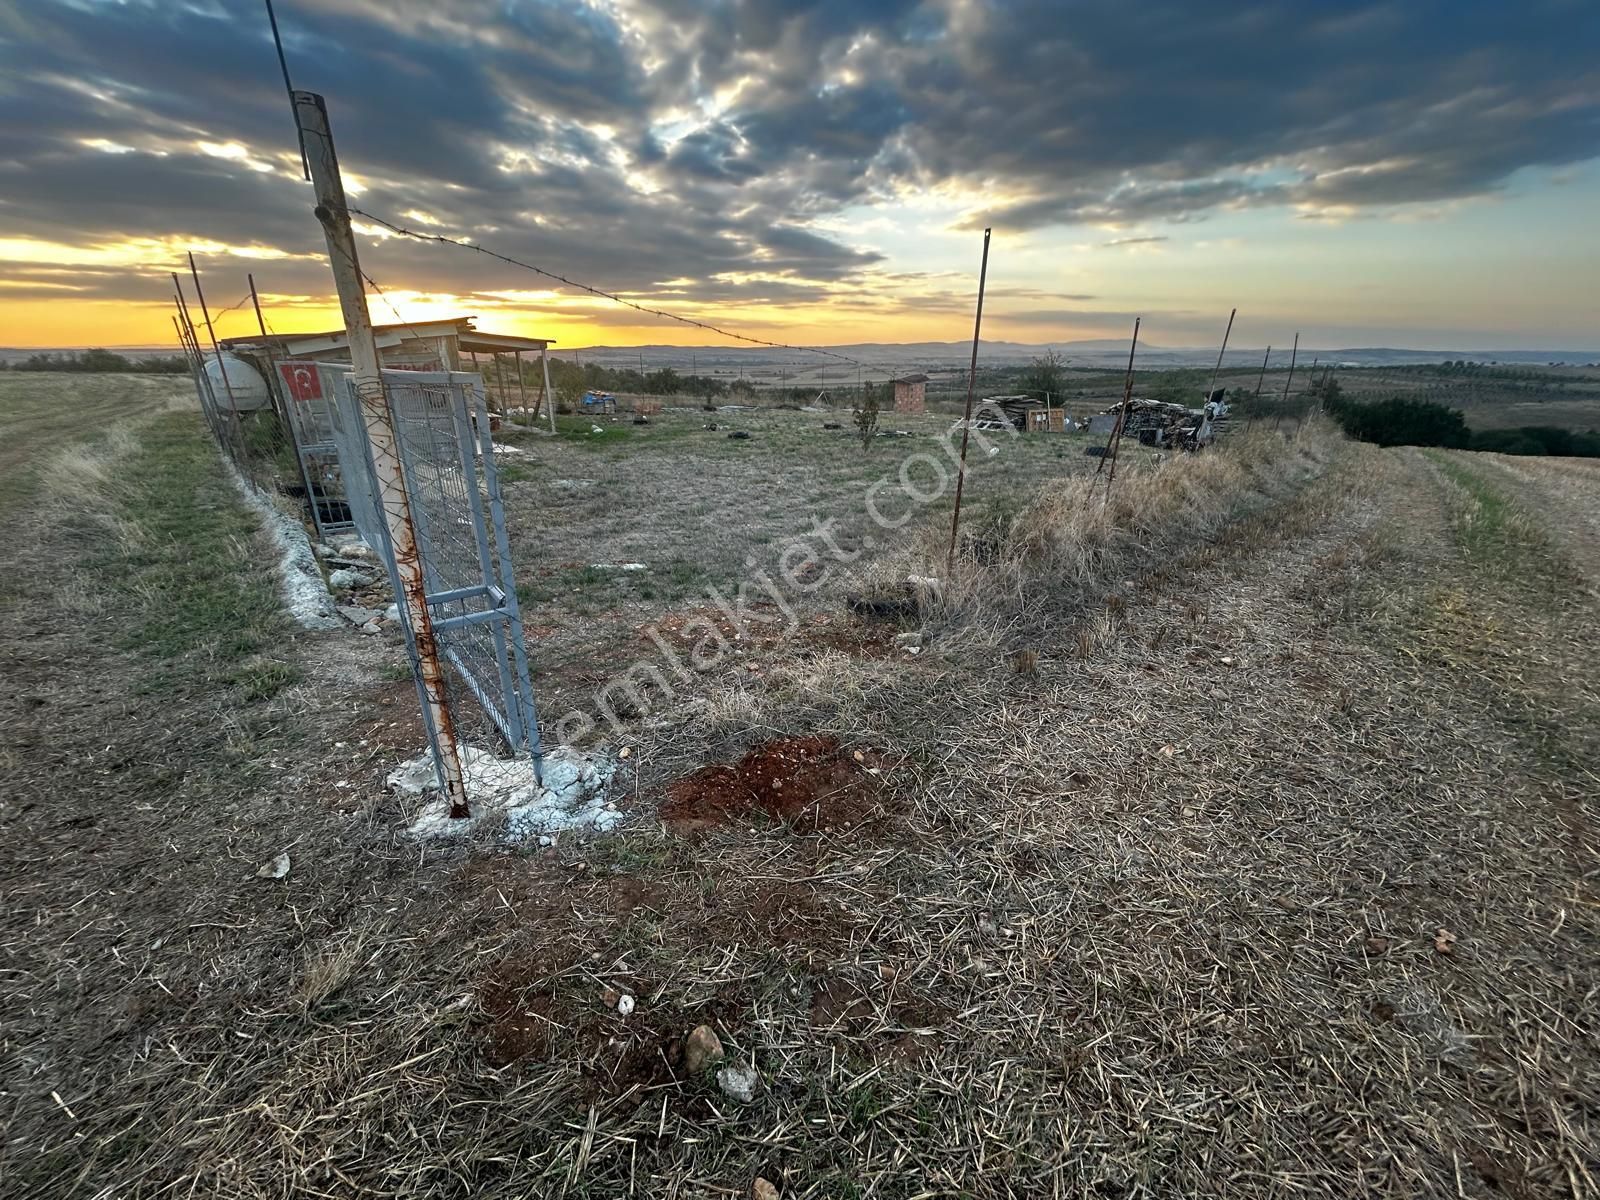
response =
{"points": [[1415, 173]]}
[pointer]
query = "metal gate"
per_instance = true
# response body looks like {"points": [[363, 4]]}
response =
{"points": [[441, 425], [309, 390]]}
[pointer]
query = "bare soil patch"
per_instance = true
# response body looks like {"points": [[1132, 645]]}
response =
{"points": [[810, 783]]}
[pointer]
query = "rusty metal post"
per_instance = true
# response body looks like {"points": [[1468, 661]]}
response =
{"points": [[522, 388], [1214, 370], [1114, 443], [1278, 420], [216, 346], [280, 405], [549, 400], [1255, 400], [202, 385], [312, 116], [966, 424]]}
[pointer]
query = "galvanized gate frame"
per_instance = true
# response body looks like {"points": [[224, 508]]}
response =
{"points": [[458, 607]]}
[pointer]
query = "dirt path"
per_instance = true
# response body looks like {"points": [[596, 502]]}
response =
{"points": [[1564, 495]]}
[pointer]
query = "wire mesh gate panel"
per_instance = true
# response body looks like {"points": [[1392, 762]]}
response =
{"points": [[441, 426], [310, 393]]}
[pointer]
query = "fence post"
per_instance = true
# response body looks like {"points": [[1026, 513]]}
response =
{"points": [[549, 400], [1293, 354], [966, 424], [311, 115]]}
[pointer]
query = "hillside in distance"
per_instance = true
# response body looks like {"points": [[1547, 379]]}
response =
{"points": [[1097, 354]]}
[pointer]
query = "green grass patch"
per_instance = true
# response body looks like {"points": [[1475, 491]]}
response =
{"points": [[200, 609], [1497, 535]]}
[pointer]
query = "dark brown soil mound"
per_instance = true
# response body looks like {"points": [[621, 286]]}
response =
{"points": [[811, 783]]}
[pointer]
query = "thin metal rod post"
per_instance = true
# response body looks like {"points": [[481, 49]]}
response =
{"points": [[216, 346], [1212, 390], [549, 400], [255, 300], [1278, 420], [280, 404], [522, 388], [1255, 400], [208, 400], [311, 115], [1114, 443], [966, 424]]}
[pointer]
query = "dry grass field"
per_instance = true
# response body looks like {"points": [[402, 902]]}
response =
{"points": [[1234, 837]]}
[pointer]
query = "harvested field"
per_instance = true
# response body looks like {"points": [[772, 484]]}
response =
{"points": [[1272, 871]]}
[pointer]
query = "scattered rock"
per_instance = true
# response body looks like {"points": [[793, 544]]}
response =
{"points": [[610, 997], [624, 752], [641, 420], [740, 435], [392, 613], [357, 614], [625, 1004], [1444, 941], [1227, 660], [702, 1048], [595, 429], [739, 1083], [711, 425], [908, 641], [275, 868], [346, 578], [1377, 945], [762, 1190], [372, 626]]}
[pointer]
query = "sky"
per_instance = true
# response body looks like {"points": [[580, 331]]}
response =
{"points": [[1420, 173]]}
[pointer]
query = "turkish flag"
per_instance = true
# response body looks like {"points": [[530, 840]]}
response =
{"points": [[303, 380]]}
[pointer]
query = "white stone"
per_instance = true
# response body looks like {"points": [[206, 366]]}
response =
{"points": [[574, 795], [739, 1083], [348, 577]]}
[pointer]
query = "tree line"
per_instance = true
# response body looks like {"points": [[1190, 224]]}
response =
{"points": [[101, 361], [1404, 421]]}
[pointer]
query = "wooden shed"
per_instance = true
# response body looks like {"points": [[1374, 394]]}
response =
{"points": [[449, 345]]}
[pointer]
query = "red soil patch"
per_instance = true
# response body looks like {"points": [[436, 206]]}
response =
{"points": [[811, 783]]}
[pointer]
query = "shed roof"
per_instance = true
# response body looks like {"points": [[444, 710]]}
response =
{"points": [[918, 378], [461, 328]]}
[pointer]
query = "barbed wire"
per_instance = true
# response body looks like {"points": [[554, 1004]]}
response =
{"points": [[719, 330]]}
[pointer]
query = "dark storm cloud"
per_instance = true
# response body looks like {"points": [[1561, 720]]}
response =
{"points": [[679, 138]]}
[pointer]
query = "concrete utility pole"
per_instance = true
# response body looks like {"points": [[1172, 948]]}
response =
{"points": [[311, 114]]}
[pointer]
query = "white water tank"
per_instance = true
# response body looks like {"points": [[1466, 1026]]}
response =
{"points": [[248, 388]]}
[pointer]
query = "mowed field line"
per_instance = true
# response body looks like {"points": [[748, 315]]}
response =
{"points": [[43, 413]]}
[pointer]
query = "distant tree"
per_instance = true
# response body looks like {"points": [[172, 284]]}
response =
{"points": [[664, 382], [866, 415], [1401, 421], [1045, 375]]}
